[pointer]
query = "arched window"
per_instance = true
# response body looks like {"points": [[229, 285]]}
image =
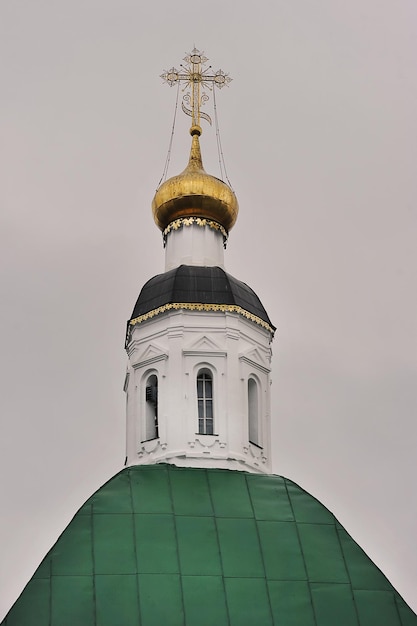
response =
{"points": [[151, 408], [253, 412], [205, 402]]}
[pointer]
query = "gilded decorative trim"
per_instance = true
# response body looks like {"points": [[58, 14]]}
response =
{"points": [[191, 306], [199, 221]]}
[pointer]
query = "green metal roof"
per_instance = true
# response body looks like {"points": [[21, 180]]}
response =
{"points": [[165, 546]]}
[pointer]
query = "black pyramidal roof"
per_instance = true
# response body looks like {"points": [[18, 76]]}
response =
{"points": [[197, 284]]}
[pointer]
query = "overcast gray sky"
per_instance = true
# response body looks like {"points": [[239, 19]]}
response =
{"points": [[319, 134]]}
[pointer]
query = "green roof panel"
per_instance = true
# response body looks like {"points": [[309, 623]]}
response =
{"points": [[407, 616], [361, 575], [306, 508], [72, 554], [153, 483], [318, 540], [191, 493], [117, 600], [291, 603], [264, 489], [239, 548], [204, 600], [33, 606], [365, 599], [113, 544], [44, 569], [72, 601], [161, 600], [156, 544], [283, 558], [248, 602], [115, 498], [198, 546], [190, 547], [333, 601], [229, 493]]}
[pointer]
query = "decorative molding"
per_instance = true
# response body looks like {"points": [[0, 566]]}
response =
{"points": [[202, 443], [232, 333], [191, 306], [198, 221], [256, 358], [257, 453], [255, 355], [175, 332], [151, 350], [203, 344], [262, 368], [155, 359], [204, 353], [152, 354], [147, 447], [204, 347]]}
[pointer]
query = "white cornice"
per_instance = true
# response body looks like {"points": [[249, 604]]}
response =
{"points": [[204, 353], [262, 368], [154, 359]]}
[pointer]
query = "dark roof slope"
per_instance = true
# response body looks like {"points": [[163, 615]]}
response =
{"points": [[160, 545], [196, 284]]}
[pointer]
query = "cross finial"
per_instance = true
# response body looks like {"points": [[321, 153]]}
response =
{"points": [[195, 77]]}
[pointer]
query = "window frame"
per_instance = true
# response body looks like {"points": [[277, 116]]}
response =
{"points": [[205, 401], [254, 411], [151, 406]]}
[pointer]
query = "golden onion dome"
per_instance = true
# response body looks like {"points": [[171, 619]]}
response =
{"points": [[194, 193]]}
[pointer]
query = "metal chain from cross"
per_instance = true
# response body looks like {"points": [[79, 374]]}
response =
{"points": [[195, 77]]}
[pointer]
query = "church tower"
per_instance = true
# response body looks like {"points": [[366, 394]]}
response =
{"points": [[196, 531], [198, 341]]}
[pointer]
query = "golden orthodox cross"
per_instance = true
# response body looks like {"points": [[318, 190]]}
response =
{"points": [[195, 77]]}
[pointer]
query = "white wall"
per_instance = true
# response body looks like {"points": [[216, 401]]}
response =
{"points": [[194, 245], [175, 346]]}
